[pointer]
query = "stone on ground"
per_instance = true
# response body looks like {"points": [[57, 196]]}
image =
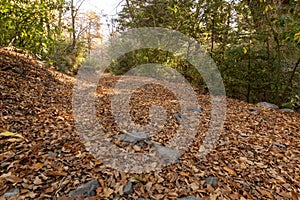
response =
{"points": [[86, 190]]}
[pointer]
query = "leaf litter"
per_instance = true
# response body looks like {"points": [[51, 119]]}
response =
{"points": [[41, 155]]}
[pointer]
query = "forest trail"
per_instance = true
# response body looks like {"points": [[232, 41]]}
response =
{"points": [[257, 155]]}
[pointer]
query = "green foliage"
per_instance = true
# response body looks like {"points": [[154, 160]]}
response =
{"points": [[67, 59], [294, 102], [167, 59], [41, 28], [26, 25], [255, 44]]}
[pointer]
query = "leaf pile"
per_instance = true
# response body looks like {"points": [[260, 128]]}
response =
{"points": [[257, 156]]}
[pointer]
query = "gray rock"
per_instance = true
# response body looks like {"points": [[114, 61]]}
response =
{"points": [[287, 110], [116, 197], [190, 198], [199, 110], [18, 70], [268, 105], [133, 137], [211, 180], [128, 189], [86, 190], [278, 144], [168, 153], [12, 192], [254, 110]]}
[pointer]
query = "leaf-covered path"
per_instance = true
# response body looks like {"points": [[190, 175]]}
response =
{"points": [[42, 157]]}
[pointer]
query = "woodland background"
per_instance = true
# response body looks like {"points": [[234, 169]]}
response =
{"points": [[255, 44]]}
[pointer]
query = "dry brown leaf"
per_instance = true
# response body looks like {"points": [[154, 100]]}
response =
{"points": [[102, 183], [49, 190], [230, 171], [184, 174], [172, 195], [56, 173], [49, 127], [37, 181], [159, 196], [38, 166], [107, 192], [295, 196], [194, 186], [99, 191], [213, 197], [5, 155], [11, 178], [265, 193]]}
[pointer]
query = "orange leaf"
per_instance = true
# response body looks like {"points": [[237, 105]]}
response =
{"points": [[38, 165], [230, 171], [266, 193]]}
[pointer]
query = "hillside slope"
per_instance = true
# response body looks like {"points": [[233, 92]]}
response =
{"points": [[257, 156]]}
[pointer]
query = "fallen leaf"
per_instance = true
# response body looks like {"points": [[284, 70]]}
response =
{"points": [[37, 181], [38, 166], [137, 178], [266, 193], [56, 173], [49, 190], [11, 178], [184, 174], [194, 186], [15, 140], [10, 134], [230, 171], [295, 196], [107, 192]]}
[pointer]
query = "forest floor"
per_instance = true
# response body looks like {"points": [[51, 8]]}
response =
{"points": [[41, 155]]}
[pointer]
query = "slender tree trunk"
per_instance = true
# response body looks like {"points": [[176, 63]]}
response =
{"points": [[289, 85], [73, 25], [269, 62], [249, 71], [212, 35]]}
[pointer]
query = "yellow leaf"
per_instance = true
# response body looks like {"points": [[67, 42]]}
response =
{"points": [[160, 126], [143, 180], [266, 9], [297, 36], [107, 192], [15, 140], [245, 50], [10, 134], [88, 144]]}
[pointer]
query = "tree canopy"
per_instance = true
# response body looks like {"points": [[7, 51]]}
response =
{"points": [[55, 31], [255, 44]]}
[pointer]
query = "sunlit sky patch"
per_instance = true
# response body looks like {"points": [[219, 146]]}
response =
{"points": [[106, 8]]}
